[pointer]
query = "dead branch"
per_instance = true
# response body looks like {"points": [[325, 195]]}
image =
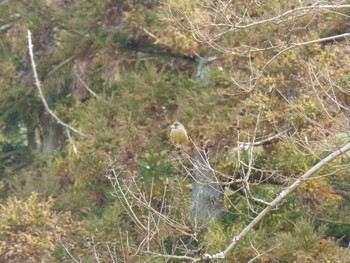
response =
{"points": [[83, 82], [41, 95], [282, 195]]}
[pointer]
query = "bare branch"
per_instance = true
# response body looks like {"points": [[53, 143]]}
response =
{"points": [[265, 252], [75, 151], [156, 255], [64, 62], [69, 254], [281, 196], [10, 154], [84, 84], [5, 27], [37, 84], [294, 45]]}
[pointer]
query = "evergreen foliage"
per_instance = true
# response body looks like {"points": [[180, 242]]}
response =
{"points": [[122, 72]]}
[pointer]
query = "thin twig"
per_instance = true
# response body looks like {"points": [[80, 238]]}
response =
{"points": [[83, 82], [265, 252], [300, 44], [71, 142], [60, 66], [67, 251]]}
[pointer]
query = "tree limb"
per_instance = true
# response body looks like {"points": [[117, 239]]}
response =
{"points": [[281, 196], [9, 154], [37, 84]]}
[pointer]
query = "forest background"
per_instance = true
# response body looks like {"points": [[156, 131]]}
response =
{"points": [[262, 88]]}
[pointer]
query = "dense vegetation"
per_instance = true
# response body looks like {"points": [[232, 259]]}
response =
{"points": [[265, 101]]}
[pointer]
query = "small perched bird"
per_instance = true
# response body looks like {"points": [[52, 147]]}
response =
{"points": [[178, 135]]}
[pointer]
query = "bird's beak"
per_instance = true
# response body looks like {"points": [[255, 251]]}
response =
{"points": [[172, 126]]}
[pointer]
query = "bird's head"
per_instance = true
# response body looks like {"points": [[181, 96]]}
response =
{"points": [[176, 125]]}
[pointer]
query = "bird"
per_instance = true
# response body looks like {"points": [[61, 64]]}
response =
{"points": [[178, 135]]}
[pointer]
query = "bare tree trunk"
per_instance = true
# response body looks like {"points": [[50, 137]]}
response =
{"points": [[50, 134], [31, 136], [207, 195], [202, 73]]}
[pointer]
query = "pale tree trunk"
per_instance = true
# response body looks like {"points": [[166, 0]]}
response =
{"points": [[50, 134], [207, 195]]}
